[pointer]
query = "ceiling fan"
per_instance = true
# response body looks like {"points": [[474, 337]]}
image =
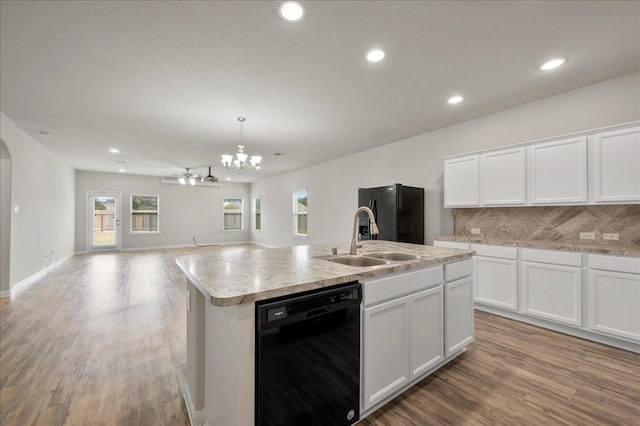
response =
{"points": [[188, 178], [209, 178]]}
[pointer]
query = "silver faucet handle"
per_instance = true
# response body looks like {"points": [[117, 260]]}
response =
{"points": [[334, 251]]}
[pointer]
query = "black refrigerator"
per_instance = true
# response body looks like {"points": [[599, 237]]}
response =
{"points": [[399, 213]]}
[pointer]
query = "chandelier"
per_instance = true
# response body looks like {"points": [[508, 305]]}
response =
{"points": [[241, 158]]}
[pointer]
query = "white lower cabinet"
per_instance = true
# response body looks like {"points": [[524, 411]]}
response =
{"points": [[458, 315], [427, 325], [496, 282], [385, 349], [552, 292], [614, 296], [404, 326]]}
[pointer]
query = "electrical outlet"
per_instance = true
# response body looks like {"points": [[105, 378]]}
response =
{"points": [[587, 235], [475, 230], [611, 237]]}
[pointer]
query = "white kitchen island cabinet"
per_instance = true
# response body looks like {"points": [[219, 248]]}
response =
{"points": [[425, 322], [427, 330], [385, 350], [402, 320]]}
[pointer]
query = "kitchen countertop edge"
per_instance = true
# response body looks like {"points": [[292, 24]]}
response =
{"points": [[337, 274], [595, 249]]}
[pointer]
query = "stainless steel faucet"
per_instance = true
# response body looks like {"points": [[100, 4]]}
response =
{"points": [[353, 248]]}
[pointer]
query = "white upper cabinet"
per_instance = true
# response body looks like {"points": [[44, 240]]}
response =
{"points": [[592, 167], [503, 177], [558, 172], [461, 177], [616, 166]]}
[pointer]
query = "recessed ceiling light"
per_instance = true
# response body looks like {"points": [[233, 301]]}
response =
{"points": [[375, 55], [114, 150], [552, 64], [228, 178], [291, 11], [44, 133], [121, 170], [455, 99]]}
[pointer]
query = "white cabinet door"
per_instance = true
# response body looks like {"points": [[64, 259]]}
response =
{"points": [[427, 330], [558, 172], [504, 177], [552, 292], [385, 355], [458, 315], [461, 182], [616, 166], [495, 282], [614, 304]]}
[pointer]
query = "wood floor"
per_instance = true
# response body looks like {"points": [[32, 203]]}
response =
{"points": [[101, 341]]}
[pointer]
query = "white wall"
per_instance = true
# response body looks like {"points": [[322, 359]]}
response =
{"points": [[185, 211], [43, 187], [417, 161]]}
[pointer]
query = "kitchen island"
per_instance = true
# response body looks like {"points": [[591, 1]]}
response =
{"points": [[222, 289]]}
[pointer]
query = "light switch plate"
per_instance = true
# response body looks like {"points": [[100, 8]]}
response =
{"points": [[475, 230], [611, 237], [587, 235]]}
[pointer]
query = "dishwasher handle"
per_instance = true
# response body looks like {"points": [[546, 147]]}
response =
{"points": [[318, 312], [291, 309]]}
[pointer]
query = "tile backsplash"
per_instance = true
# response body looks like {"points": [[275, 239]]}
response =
{"points": [[553, 224]]}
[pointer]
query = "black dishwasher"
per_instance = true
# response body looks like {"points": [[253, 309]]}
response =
{"points": [[308, 358]]}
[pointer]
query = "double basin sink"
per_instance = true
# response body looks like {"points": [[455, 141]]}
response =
{"points": [[373, 259]]}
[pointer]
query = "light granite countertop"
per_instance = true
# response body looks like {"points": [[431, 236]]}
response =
{"points": [[233, 278], [548, 245]]}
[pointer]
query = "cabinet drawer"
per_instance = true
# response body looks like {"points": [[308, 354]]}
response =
{"points": [[451, 244], [552, 256], [495, 251], [389, 287], [456, 270], [630, 265]]}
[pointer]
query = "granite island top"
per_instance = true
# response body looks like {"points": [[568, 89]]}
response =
{"points": [[236, 277], [547, 245]]}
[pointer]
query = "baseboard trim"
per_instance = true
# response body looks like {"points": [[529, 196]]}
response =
{"points": [[184, 246], [18, 287], [5, 293], [263, 244], [194, 416], [560, 328]]}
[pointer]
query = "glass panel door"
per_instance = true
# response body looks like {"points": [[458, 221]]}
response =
{"points": [[103, 220]]}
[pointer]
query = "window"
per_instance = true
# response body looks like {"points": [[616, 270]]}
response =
{"points": [[233, 210], [144, 213], [256, 213], [300, 213]]}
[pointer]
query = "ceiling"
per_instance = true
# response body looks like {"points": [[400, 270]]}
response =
{"points": [[165, 81]]}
